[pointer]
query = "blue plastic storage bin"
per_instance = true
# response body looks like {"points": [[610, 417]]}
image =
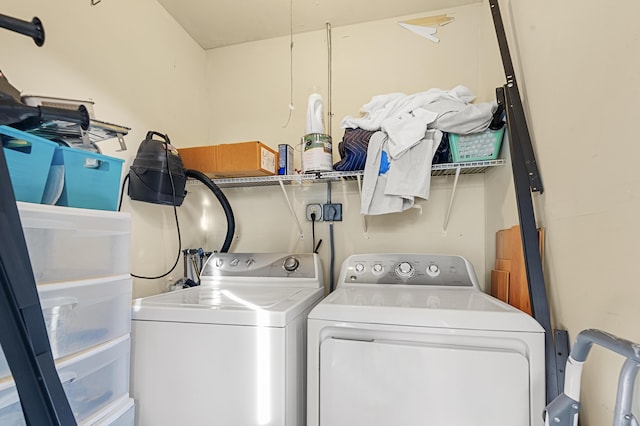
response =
{"points": [[28, 160], [91, 181]]}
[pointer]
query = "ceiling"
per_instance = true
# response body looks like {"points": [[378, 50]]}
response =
{"points": [[219, 23]]}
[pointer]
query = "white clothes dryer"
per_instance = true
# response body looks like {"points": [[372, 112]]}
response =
{"points": [[231, 351], [410, 339]]}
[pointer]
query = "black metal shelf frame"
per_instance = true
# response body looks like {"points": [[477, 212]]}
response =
{"points": [[527, 179]]}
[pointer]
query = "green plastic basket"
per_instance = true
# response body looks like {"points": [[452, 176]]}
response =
{"points": [[476, 146]]}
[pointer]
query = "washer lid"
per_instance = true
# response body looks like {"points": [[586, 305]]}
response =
{"points": [[441, 307], [236, 304]]}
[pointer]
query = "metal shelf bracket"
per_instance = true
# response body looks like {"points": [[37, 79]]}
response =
{"points": [[364, 216], [293, 212], [453, 193]]}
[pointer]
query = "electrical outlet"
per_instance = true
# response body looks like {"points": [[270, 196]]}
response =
{"points": [[314, 208], [332, 212]]}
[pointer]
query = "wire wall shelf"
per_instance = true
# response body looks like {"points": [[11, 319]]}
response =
{"points": [[446, 169]]}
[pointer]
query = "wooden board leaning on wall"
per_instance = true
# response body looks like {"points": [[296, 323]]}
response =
{"points": [[509, 278]]}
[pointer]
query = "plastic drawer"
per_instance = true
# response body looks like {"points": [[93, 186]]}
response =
{"points": [[119, 413], [92, 380], [82, 314], [67, 244]]}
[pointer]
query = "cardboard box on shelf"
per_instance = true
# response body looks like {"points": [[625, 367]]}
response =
{"points": [[242, 159], [201, 158]]}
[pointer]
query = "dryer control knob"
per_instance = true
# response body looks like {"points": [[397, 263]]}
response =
{"points": [[290, 264], [405, 270], [433, 270], [378, 269], [359, 268]]}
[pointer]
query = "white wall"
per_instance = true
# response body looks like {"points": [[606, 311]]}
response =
{"points": [[249, 84], [577, 69], [131, 58], [248, 97], [579, 66], [142, 71]]}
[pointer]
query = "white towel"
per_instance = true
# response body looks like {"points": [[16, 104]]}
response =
{"points": [[406, 130], [472, 118], [379, 108], [404, 117]]}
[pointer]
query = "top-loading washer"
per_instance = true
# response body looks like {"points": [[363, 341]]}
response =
{"points": [[231, 351], [410, 339]]}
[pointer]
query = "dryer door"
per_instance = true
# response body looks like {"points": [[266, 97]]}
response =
{"points": [[384, 382]]}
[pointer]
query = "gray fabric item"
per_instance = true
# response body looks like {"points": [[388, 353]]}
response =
{"points": [[373, 199], [408, 176]]}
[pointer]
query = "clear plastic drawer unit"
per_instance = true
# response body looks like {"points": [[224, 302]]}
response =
{"points": [[118, 413], [91, 380], [82, 314], [68, 244]]}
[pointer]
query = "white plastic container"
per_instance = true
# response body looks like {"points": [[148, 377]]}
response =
{"points": [[67, 244], [91, 380], [82, 314]]}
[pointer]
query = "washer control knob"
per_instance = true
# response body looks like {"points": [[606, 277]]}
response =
{"points": [[433, 270], [359, 268], [290, 264], [250, 261], [377, 269], [234, 262], [219, 262], [405, 270]]}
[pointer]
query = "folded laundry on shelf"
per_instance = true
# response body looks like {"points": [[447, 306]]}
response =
{"points": [[406, 118], [408, 133]]}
